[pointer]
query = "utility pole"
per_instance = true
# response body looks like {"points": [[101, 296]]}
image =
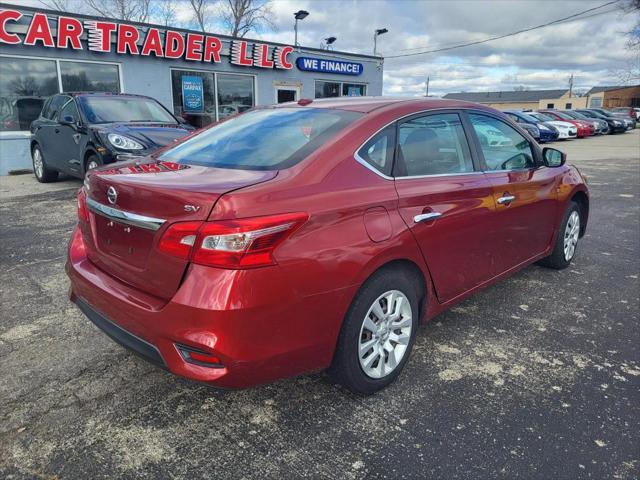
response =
{"points": [[427, 86], [571, 86]]}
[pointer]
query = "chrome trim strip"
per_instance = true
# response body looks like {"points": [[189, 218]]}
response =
{"points": [[150, 223]]}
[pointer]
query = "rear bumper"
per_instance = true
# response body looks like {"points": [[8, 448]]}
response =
{"points": [[251, 320]]}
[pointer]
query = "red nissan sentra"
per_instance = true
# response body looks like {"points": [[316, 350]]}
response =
{"points": [[316, 235]]}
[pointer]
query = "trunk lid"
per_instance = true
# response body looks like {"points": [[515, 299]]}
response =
{"points": [[132, 205]]}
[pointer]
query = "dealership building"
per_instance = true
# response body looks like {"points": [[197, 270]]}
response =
{"points": [[203, 77]]}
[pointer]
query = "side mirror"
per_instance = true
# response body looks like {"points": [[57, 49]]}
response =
{"points": [[67, 120], [553, 158]]}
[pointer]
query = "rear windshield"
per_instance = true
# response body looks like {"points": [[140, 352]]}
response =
{"points": [[264, 139], [123, 109]]}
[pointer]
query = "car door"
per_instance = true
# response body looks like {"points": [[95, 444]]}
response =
{"points": [[47, 133], [524, 191], [445, 200], [69, 138]]}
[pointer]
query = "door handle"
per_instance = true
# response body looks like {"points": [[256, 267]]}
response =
{"points": [[57, 130], [506, 199], [426, 217]]}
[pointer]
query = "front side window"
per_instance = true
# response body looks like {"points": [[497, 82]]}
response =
{"points": [[89, 77], [235, 94], [54, 106], [432, 145], [502, 146], [24, 85], [69, 110], [109, 109], [378, 151], [264, 139]]}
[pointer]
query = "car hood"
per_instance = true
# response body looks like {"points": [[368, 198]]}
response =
{"points": [[151, 135]]}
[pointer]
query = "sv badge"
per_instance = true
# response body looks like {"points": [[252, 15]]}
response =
{"points": [[191, 208]]}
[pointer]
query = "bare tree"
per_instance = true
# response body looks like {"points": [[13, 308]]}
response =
{"points": [[132, 10], [164, 12], [201, 10], [243, 16], [631, 71], [62, 5]]}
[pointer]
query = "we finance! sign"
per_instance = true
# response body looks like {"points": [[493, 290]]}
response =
{"points": [[63, 32], [310, 64]]}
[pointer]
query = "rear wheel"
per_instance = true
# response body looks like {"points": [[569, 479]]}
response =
{"points": [[43, 173], [565, 248], [378, 333]]}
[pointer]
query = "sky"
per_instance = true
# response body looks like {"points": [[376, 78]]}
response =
{"points": [[592, 49]]}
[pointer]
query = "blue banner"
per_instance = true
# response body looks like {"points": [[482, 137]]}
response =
{"points": [[192, 94], [310, 64]]}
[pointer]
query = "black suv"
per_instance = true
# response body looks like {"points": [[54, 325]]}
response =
{"points": [[76, 132]]}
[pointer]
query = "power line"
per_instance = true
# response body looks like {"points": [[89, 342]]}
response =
{"points": [[498, 37]]}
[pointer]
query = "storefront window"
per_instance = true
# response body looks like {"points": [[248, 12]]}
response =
{"points": [[327, 89], [353, 90], [24, 85], [193, 101], [235, 94], [339, 89], [89, 77]]}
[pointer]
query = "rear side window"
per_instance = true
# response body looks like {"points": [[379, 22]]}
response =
{"points": [[432, 145], [265, 139], [502, 146], [378, 151]]}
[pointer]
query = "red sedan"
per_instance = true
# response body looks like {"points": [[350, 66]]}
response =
{"points": [[585, 129], [316, 235]]}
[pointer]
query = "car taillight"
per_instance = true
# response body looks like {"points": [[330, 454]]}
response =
{"points": [[83, 211], [179, 239], [232, 244]]}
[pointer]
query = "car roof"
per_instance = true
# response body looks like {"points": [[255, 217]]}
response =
{"points": [[369, 104]]}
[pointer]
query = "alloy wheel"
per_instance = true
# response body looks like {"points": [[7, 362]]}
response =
{"points": [[385, 334], [38, 165], [91, 165], [571, 234]]}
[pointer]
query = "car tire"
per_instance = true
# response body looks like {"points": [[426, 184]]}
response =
{"points": [[357, 334], [566, 244], [92, 161], [42, 173]]}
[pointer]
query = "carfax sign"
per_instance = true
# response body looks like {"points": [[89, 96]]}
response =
{"points": [[192, 94], [309, 64]]}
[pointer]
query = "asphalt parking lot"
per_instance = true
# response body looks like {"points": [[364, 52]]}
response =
{"points": [[536, 377]]}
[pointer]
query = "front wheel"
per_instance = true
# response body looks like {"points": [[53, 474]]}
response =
{"points": [[378, 333], [93, 161], [565, 247]]}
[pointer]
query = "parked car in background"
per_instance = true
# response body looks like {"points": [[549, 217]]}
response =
{"points": [[629, 121], [633, 112], [316, 235], [76, 132], [18, 113], [616, 125], [567, 130], [532, 130], [602, 127], [548, 133], [584, 129]]}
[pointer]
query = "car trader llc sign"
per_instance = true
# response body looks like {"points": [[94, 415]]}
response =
{"points": [[197, 47]]}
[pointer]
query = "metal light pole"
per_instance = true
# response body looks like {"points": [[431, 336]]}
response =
{"points": [[299, 15], [377, 32]]}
